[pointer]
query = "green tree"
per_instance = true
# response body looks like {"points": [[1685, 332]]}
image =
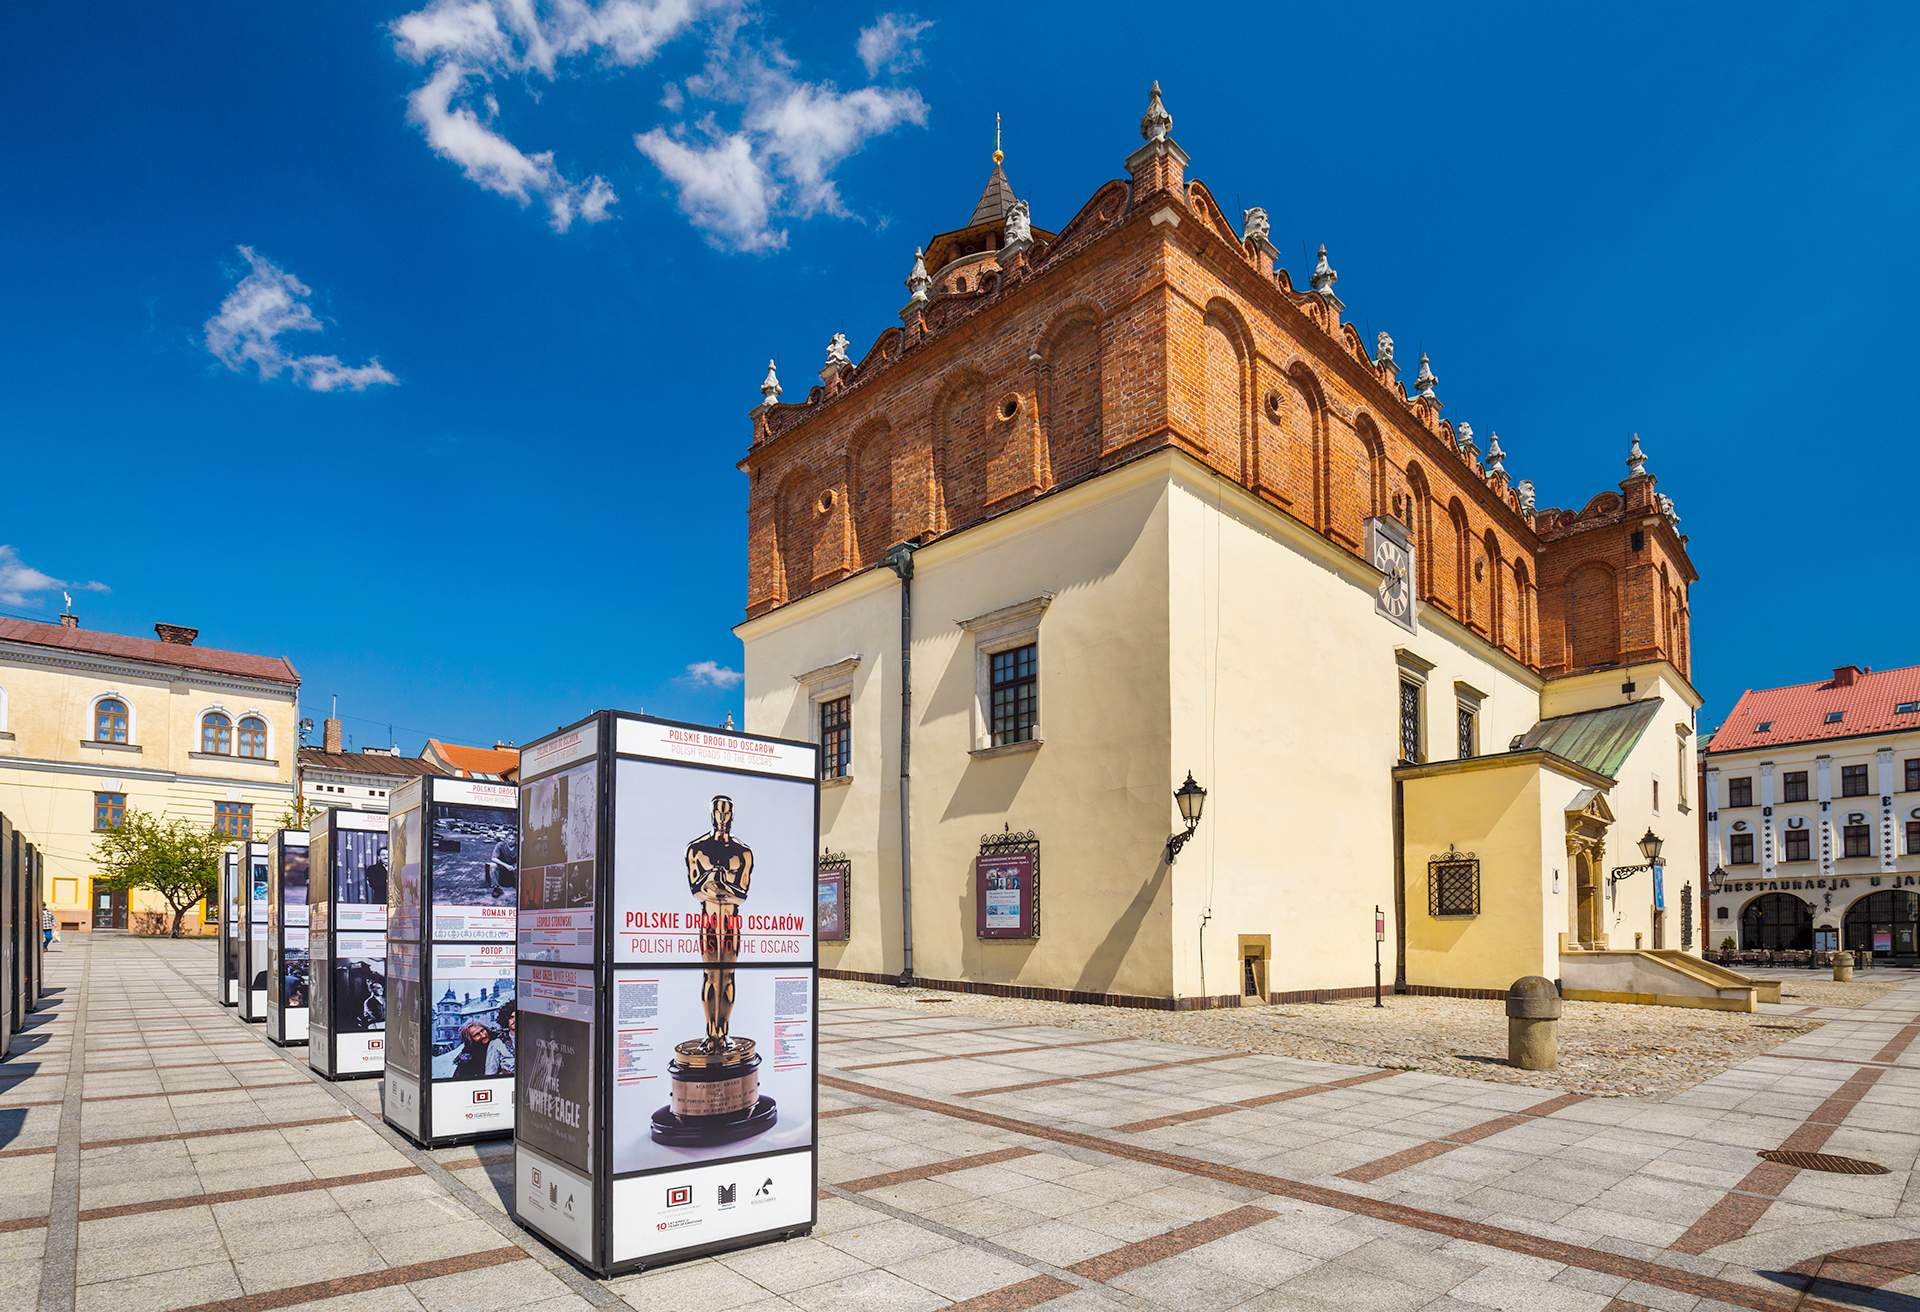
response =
{"points": [[177, 859], [299, 811]]}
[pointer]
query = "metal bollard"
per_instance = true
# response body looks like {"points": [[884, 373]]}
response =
{"points": [[1533, 1024]]}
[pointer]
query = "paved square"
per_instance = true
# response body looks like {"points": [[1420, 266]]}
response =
{"points": [[156, 1153]]}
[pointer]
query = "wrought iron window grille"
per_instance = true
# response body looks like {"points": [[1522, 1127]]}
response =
{"points": [[1453, 884]]}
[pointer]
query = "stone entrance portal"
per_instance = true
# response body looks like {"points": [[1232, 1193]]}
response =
{"points": [[1588, 818]]}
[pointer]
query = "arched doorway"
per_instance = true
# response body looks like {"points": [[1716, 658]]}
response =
{"points": [[1587, 907], [1777, 922], [1886, 924]]}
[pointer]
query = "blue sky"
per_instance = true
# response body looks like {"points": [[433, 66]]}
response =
{"points": [[456, 429]]}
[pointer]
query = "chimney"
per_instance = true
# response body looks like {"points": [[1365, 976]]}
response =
{"points": [[177, 634], [1846, 675], [332, 738], [68, 620], [503, 745]]}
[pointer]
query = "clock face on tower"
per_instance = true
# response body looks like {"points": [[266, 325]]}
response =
{"points": [[1392, 554]]}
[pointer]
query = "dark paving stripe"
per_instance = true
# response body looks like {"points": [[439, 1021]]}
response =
{"points": [[1102, 1075], [341, 1286], [1131, 1257], [990, 1052], [226, 1129], [1248, 1104], [60, 1262], [22, 1223], [937, 1033], [1476, 1232], [242, 1195], [842, 1111], [908, 1174], [1472, 1134], [209, 1088], [1016, 1298]]}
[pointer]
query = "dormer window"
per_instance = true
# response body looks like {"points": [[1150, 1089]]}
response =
{"points": [[1765, 726], [1907, 708]]}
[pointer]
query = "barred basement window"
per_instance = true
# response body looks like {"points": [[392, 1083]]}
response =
{"points": [[1453, 884]]}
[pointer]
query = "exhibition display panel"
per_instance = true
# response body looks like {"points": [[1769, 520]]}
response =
{"points": [[451, 1024], [289, 969], [227, 957], [667, 991], [255, 895], [347, 863]]}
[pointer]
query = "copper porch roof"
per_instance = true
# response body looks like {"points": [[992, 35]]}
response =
{"points": [[211, 660], [1798, 713]]}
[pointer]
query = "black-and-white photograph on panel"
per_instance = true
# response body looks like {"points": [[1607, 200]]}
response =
{"points": [[475, 830], [558, 841]]}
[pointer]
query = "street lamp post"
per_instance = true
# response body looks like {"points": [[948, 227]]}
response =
{"points": [[1650, 845], [1192, 800]]}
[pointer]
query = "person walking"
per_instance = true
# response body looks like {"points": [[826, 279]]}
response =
{"points": [[46, 927]]}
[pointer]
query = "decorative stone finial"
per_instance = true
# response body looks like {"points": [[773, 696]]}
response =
{"points": [[1383, 352], [1666, 508], [729, 721], [837, 361], [1636, 460], [770, 388], [1496, 458], [1463, 435], [1526, 496], [1157, 123], [1256, 227], [1323, 275], [1426, 380], [917, 281]]}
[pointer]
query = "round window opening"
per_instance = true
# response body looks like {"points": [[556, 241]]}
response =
{"points": [[1009, 407], [1273, 405], [825, 503]]}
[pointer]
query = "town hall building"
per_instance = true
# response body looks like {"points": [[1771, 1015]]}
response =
{"points": [[1163, 647]]}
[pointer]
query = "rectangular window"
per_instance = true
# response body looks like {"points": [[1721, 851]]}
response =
{"points": [[836, 738], [1410, 737], [1469, 718], [1913, 776], [1794, 786], [1853, 781], [1656, 797], [1014, 694], [1740, 791], [1740, 850], [234, 819], [1799, 845], [1858, 840], [1680, 771], [1913, 838], [1453, 884], [109, 810]]}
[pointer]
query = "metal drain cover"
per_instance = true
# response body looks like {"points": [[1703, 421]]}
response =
{"points": [[1823, 1162]]}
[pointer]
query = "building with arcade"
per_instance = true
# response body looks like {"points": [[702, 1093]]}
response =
{"points": [[1115, 512], [1813, 817]]}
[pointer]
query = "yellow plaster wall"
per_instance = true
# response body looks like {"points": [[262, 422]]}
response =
{"points": [[1285, 687], [1095, 789], [1497, 814]]}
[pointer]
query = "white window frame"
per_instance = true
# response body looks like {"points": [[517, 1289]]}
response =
{"points": [[200, 731], [826, 684], [93, 720], [264, 719], [996, 631]]}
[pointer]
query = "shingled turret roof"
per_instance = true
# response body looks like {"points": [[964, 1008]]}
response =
{"points": [[996, 200]]}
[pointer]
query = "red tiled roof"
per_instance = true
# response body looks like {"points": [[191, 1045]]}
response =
{"points": [[1799, 712], [496, 761], [314, 758], [273, 669]]}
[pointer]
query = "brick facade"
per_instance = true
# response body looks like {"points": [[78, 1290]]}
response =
{"points": [[1148, 322]]}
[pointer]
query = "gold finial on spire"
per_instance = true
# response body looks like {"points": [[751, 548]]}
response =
{"points": [[998, 154]]}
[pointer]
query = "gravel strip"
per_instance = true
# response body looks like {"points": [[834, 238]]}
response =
{"points": [[1606, 1049]]}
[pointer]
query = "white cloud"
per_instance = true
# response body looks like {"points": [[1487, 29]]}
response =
{"points": [[712, 674], [455, 132], [892, 44], [20, 582], [793, 134], [468, 43], [263, 306], [723, 188]]}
